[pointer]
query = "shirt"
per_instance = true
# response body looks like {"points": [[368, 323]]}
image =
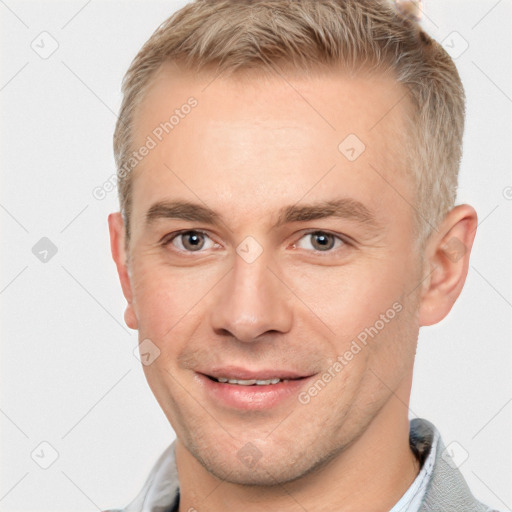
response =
{"points": [[413, 497]]}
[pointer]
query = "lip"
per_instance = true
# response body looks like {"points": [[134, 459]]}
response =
{"points": [[254, 398], [239, 373]]}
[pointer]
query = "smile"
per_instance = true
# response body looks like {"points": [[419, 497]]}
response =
{"points": [[231, 393], [250, 382]]}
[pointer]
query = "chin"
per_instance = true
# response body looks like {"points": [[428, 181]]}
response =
{"points": [[262, 475], [283, 467]]}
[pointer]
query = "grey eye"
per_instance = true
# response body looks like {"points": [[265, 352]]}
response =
{"points": [[191, 241], [319, 241]]}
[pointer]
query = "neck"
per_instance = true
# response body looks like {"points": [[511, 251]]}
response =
{"points": [[371, 474]]}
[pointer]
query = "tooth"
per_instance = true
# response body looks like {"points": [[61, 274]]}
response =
{"points": [[250, 382], [267, 382]]}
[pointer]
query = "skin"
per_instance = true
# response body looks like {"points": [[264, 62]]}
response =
{"points": [[252, 146]]}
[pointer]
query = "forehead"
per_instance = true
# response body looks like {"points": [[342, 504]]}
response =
{"points": [[267, 140]]}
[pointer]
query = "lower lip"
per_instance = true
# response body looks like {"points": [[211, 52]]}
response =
{"points": [[251, 397]]}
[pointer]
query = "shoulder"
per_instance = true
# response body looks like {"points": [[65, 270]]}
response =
{"points": [[447, 489], [161, 487]]}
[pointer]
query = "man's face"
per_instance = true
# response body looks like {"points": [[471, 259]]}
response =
{"points": [[274, 285]]}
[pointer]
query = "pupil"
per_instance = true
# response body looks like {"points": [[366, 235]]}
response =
{"points": [[323, 240], [193, 240]]}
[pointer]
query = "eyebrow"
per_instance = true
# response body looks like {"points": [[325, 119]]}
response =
{"points": [[344, 208]]}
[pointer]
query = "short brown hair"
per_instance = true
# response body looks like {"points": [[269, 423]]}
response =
{"points": [[236, 35]]}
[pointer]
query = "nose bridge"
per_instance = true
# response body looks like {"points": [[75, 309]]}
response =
{"points": [[251, 301]]}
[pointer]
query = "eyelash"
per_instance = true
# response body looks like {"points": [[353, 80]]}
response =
{"points": [[344, 242]]}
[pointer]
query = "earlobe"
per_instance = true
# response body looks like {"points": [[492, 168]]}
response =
{"points": [[117, 246], [130, 318], [447, 262]]}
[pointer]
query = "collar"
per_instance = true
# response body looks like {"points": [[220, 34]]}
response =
{"points": [[423, 443]]}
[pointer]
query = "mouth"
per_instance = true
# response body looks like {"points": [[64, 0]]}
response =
{"points": [[245, 377], [251, 382], [238, 388]]}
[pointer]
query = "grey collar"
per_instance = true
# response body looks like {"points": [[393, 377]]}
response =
{"points": [[447, 490]]}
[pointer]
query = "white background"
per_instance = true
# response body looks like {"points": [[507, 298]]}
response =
{"points": [[69, 376]]}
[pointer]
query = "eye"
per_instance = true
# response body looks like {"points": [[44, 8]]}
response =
{"points": [[190, 241], [321, 241]]}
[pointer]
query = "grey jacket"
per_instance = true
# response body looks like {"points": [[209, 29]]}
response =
{"points": [[447, 490]]}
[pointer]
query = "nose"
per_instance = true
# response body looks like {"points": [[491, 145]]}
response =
{"points": [[251, 300]]}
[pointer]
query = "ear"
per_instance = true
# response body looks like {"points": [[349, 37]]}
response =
{"points": [[117, 246], [446, 263]]}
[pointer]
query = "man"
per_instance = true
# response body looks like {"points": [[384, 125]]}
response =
{"points": [[287, 174]]}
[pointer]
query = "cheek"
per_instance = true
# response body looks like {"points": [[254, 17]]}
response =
{"points": [[348, 299], [163, 296]]}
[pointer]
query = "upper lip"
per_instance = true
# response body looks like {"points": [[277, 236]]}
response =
{"points": [[239, 373]]}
